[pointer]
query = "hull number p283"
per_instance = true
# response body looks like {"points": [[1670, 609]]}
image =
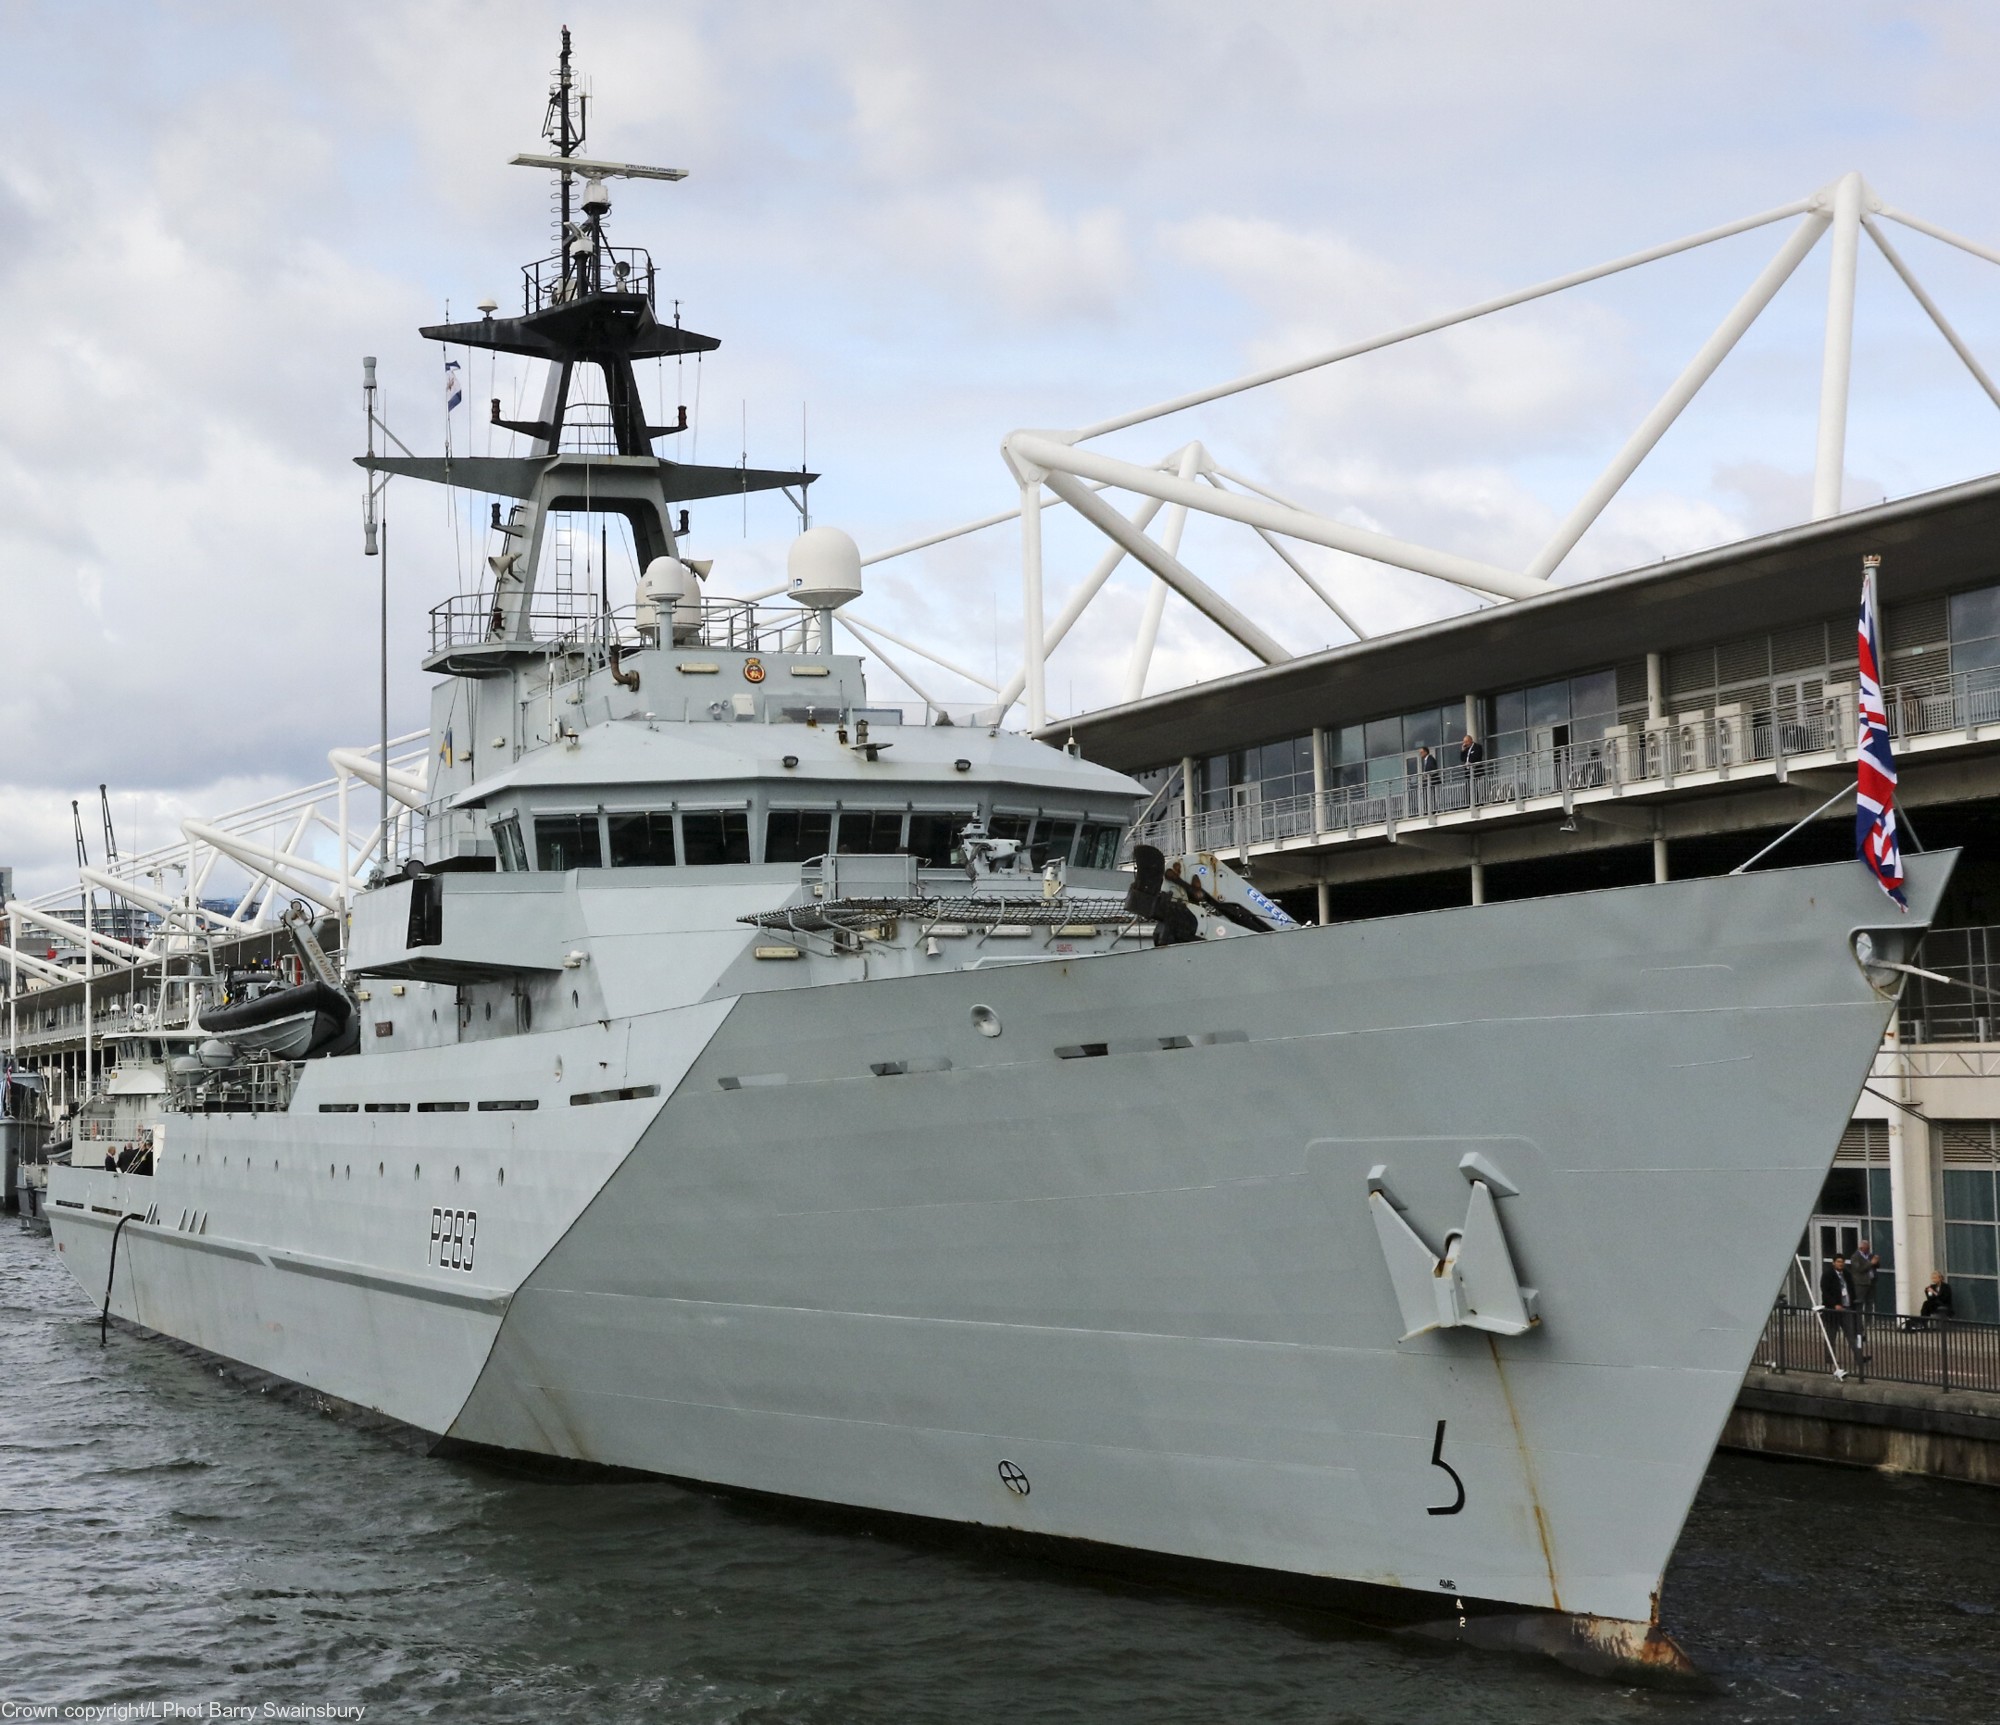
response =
{"points": [[452, 1236]]}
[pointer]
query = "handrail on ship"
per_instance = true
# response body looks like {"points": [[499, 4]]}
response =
{"points": [[549, 281], [575, 622]]}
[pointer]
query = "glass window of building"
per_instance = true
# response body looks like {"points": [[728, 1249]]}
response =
{"points": [[1854, 1206], [797, 835], [567, 842], [1975, 635], [1551, 715], [1266, 773], [870, 832], [643, 840], [1382, 752], [715, 836], [1971, 1223]]}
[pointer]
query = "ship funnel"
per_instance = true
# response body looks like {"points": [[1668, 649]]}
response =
{"points": [[668, 592]]}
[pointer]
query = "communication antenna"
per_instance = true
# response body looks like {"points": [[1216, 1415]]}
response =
{"points": [[564, 126]]}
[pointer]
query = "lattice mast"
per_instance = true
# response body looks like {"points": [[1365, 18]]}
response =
{"points": [[591, 304]]}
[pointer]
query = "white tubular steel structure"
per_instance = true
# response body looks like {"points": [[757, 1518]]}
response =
{"points": [[299, 844], [1051, 467]]}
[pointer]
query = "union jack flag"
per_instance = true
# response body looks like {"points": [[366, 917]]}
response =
{"points": [[1875, 781]]}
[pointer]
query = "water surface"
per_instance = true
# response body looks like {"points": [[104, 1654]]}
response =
{"points": [[169, 1534]]}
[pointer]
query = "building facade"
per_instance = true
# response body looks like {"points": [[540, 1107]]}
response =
{"points": [[1667, 722]]}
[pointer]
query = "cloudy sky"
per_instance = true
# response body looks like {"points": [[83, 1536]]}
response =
{"points": [[914, 226]]}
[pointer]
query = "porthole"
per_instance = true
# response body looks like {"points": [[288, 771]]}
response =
{"points": [[417, 1173], [986, 1021], [573, 999], [379, 1167], [489, 1011], [457, 1173], [503, 1176], [329, 1170]]}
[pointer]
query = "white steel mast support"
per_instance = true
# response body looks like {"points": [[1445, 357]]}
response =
{"points": [[1168, 568], [1192, 461], [1034, 653], [1836, 364], [1079, 601], [1931, 309], [1699, 370]]}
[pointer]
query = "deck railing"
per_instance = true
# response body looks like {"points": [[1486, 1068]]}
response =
{"points": [[615, 269]]}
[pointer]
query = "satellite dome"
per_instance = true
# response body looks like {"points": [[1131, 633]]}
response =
{"points": [[825, 568]]}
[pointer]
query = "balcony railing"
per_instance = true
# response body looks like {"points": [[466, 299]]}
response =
{"points": [[1737, 735], [1947, 1353]]}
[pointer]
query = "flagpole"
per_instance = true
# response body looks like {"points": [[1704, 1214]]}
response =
{"points": [[1844, 791], [382, 857]]}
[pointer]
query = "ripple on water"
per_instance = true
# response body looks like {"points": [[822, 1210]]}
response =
{"points": [[172, 1530]]}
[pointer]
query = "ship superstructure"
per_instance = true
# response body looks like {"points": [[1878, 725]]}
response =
{"points": [[754, 1088]]}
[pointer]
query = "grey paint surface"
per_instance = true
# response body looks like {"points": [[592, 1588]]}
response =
{"points": [[1149, 1279]]}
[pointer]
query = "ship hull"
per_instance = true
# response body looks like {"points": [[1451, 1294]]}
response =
{"points": [[1121, 1254]]}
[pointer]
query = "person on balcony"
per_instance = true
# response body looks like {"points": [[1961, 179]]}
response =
{"points": [[1472, 756], [1429, 777]]}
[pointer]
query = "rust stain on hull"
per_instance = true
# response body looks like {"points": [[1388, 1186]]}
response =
{"points": [[1528, 1474]]}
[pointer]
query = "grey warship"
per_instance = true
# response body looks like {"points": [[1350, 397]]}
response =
{"points": [[756, 1089]]}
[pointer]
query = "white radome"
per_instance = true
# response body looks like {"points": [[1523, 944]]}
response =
{"points": [[825, 568]]}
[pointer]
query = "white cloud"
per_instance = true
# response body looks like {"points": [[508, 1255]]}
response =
{"points": [[929, 225]]}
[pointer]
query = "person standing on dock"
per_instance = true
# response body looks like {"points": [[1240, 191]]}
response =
{"points": [[1836, 1307], [1862, 1272]]}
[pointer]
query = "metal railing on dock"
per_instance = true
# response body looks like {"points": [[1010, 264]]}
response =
{"points": [[1943, 1353]]}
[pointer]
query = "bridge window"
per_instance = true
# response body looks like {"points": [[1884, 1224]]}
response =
{"points": [[1097, 846], [933, 835], [1054, 840], [642, 840], [796, 835], [507, 840], [871, 832], [715, 836], [567, 842]]}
